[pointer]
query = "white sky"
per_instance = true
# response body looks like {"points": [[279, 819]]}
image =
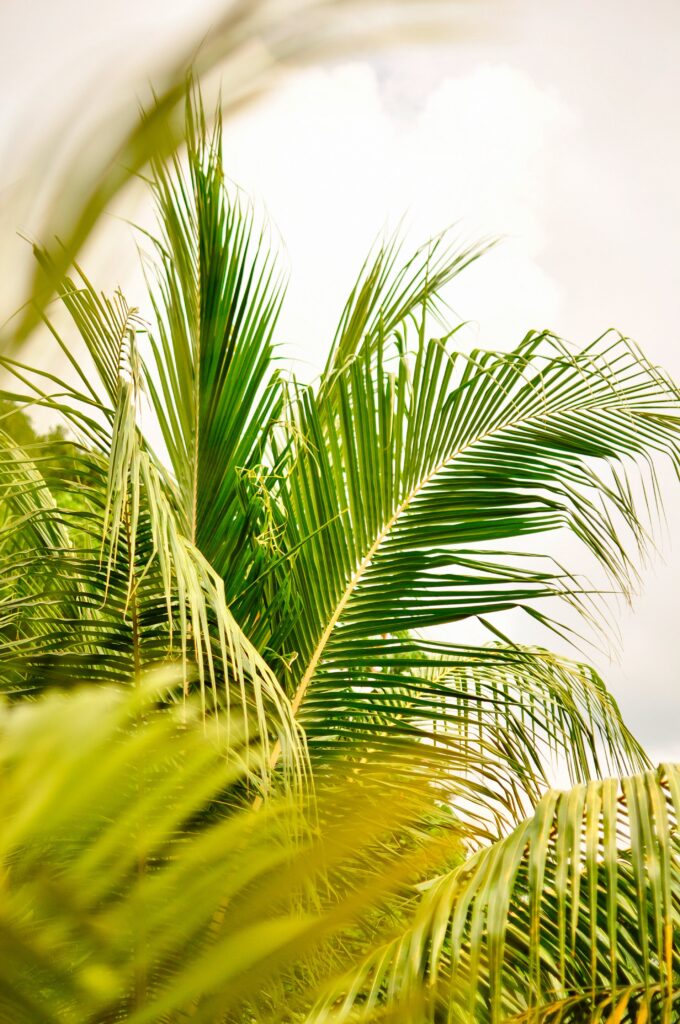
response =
{"points": [[559, 129]]}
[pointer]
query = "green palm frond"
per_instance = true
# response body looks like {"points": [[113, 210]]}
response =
{"points": [[211, 376], [405, 481], [140, 591], [575, 916], [494, 723]]}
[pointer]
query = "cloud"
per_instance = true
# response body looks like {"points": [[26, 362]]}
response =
{"points": [[335, 164]]}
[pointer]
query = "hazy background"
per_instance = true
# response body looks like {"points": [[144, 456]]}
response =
{"points": [[555, 125]]}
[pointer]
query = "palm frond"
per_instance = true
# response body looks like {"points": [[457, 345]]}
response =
{"points": [[139, 582], [494, 723], [575, 916], [211, 376], [404, 483]]}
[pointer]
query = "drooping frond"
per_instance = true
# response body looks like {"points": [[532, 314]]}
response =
{"points": [[494, 723], [135, 590]]}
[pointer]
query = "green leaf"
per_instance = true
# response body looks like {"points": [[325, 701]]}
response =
{"points": [[488, 939]]}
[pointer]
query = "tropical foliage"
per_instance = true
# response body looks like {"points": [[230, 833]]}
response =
{"points": [[325, 812], [131, 896]]}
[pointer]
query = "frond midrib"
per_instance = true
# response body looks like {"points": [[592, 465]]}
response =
{"points": [[356, 577]]}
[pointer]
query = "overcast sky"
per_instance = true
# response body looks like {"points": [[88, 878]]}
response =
{"points": [[557, 127]]}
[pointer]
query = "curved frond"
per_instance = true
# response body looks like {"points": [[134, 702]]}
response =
{"points": [[574, 916], [406, 483], [135, 590], [494, 724]]}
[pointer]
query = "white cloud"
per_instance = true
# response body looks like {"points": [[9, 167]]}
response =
{"points": [[335, 165]]}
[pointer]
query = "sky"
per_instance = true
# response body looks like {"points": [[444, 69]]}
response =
{"points": [[554, 126]]}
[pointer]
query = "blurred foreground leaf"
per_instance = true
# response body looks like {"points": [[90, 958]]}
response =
{"points": [[132, 886], [248, 42]]}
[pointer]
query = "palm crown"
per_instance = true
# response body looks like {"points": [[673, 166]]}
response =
{"points": [[287, 548]]}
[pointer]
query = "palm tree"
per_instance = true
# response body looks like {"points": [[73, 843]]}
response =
{"points": [[287, 551]]}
